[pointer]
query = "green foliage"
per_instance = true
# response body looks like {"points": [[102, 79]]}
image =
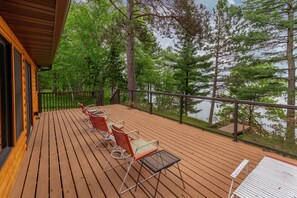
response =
{"points": [[146, 54], [90, 52], [255, 82], [191, 71]]}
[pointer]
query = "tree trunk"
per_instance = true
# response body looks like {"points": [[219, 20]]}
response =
{"points": [[214, 89], [215, 80], [186, 93], [130, 46], [290, 134], [114, 68]]}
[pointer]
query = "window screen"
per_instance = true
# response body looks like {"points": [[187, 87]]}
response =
{"points": [[18, 92]]}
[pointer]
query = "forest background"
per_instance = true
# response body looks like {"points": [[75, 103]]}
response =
{"points": [[232, 49]]}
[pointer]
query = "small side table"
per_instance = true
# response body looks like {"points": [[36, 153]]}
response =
{"points": [[156, 162]]}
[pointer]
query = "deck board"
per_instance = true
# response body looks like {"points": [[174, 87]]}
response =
{"points": [[61, 160]]}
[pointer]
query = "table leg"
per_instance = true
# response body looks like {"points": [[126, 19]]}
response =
{"points": [[157, 184], [181, 177], [138, 176]]}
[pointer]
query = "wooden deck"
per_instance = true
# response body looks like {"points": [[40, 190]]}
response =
{"points": [[61, 160], [240, 128]]}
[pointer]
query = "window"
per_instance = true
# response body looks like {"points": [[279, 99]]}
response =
{"points": [[5, 99], [18, 92]]}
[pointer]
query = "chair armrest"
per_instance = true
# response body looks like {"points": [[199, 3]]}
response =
{"points": [[91, 105], [147, 144], [121, 123], [134, 134], [96, 112], [244, 163], [107, 117]]}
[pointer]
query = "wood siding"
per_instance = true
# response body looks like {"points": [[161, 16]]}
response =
{"points": [[35, 101], [13, 162], [38, 24]]}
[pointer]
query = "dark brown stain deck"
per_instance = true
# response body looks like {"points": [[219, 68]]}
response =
{"points": [[61, 160]]}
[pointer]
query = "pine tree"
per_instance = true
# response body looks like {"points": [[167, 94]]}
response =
{"points": [[159, 13], [191, 70], [255, 83], [271, 38], [221, 47]]}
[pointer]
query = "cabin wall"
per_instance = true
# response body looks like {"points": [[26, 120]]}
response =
{"points": [[13, 162]]}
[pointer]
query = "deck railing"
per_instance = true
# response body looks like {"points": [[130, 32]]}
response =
{"points": [[51, 101], [259, 123]]}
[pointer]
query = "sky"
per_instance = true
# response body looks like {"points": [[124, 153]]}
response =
{"points": [[211, 3], [166, 42]]}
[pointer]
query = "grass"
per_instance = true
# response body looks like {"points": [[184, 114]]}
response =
{"points": [[276, 143]]}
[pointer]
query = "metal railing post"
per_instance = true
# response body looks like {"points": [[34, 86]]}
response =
{"points": [[151, 102], [235, 121], [181, 109]]}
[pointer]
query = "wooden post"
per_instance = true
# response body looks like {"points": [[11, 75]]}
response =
{"points": [[132, 96], [39, 102], [100, 100], [115, 98], [118, 96]]}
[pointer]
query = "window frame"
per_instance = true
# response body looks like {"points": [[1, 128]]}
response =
{"points": [[6, 102], [18, 112]]}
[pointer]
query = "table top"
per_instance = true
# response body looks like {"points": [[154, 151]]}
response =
{"points": [[159, 160], [270, 178]]}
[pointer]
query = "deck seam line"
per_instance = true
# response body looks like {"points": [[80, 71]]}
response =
{"points": [[75, 152], [92, 168], [57, 149], [67, 155], [31, 153]]}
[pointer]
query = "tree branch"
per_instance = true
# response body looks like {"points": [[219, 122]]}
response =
{"points": [[155, 15], [116, 7]]}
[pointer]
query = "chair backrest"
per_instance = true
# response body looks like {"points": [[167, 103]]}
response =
{"points": [[83, 108], [122, 139], [99, 122]]}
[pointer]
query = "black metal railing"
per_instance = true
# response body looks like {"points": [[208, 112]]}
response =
{"points": [[51, 101]]}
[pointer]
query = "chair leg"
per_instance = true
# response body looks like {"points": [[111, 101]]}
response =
{"points": [[91, 129], [128, 169], [121, 153], [138, 176], [105, 169], [102, 141]]}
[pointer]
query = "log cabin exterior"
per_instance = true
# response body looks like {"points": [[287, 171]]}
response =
{"points": [[29, 35]]}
